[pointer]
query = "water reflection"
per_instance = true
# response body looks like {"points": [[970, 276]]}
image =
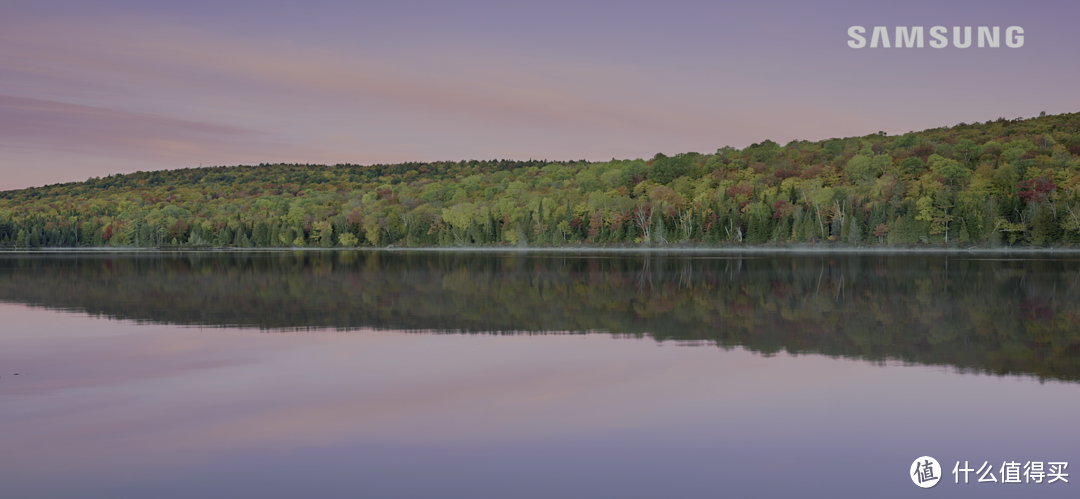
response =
{"points": [[189, 396], [987, 314]]}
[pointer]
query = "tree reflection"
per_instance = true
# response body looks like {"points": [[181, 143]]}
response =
{"points": [[984, 314]]}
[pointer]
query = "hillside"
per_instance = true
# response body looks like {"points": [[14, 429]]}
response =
{"points": [[1003, 182]]}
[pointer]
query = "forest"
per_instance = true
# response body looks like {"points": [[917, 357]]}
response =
{"points": [[1006, 182]]}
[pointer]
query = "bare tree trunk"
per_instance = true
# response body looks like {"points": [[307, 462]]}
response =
{"points": [[686, 222], [660, 230], [643, 220], [738, 232]]}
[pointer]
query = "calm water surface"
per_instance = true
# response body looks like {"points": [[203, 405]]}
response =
{"points": [[352, 374]]}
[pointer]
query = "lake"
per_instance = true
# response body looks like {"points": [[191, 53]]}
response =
{"points": [[534, 374]]}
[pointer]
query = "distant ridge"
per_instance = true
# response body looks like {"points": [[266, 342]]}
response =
{"points": [[988, 184]]}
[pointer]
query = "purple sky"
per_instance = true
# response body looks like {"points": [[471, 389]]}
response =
{"points": [[94, 88]]}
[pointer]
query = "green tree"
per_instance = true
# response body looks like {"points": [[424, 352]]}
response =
{"points": [[460, 217], [912, 165], [348, 240], [665, 169], [861, 169], [950, 169], [907, 140]]}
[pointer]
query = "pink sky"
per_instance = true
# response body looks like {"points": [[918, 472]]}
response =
{"points": [[95, 88]]}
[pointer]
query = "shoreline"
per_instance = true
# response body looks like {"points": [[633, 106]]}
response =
{"points": [[689, 250]]}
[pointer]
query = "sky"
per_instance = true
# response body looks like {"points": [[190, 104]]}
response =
{"points": [[93, 88]]}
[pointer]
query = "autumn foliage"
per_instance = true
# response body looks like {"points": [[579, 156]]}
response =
{"points": [[1002, 182]]}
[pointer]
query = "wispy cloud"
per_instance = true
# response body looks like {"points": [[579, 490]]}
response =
{"points": [[179, 94], [44, 124], [161, 92]]}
